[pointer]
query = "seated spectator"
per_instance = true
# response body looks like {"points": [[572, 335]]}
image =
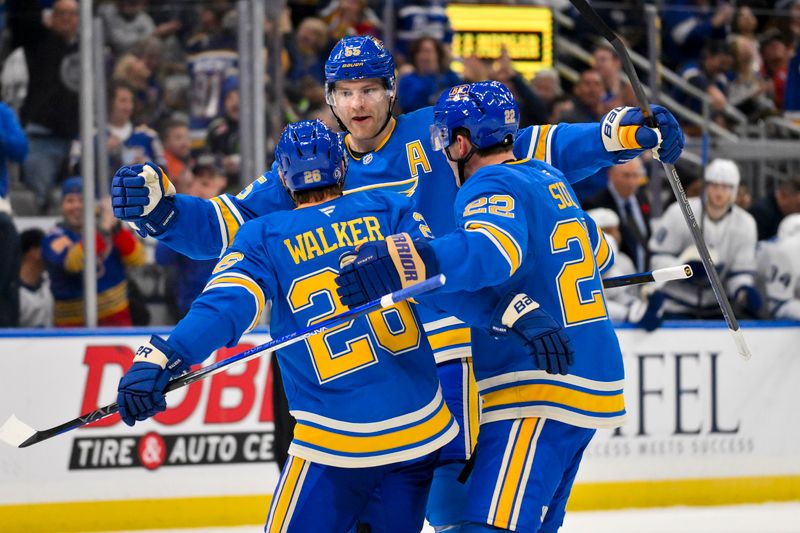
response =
{"points": [[772, 208], [133, 72], [730, 233], [50, 110], [710, 75], [222, 139], [126, 23], [350, 17], [625, 196], [430, 74], [177, 152], [587, 98], [35, 298], [639, 305], [775, 55], [191, 275], [307, 49], [63, 255], [746, 31], [547, 86], [747, 91], [688, 24], [150, 52], [779, 268], [618, 92]]}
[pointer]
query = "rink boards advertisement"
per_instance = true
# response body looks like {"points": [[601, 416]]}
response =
{"points": [[704, 427]]}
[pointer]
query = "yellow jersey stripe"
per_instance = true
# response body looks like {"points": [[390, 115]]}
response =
{"points": [[240, 280], [73, 261], [554, 394], [351, 444], [137, 257], [512, 491], [603, 253], [471, 402], [286, 495], [541, 144], [508, 247], [231, 224], [446, 339]]}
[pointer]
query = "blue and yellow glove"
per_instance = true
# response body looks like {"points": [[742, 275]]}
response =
{"points": [[548, 344], [140, 393], [378, 268], [623, 129], [142, 194]]}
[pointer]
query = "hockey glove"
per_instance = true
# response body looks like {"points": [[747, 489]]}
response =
{"points": [[378, 268], [142, 194], [749, 299], [623, 128], [547, 343], [648, 312], [140, 393]]}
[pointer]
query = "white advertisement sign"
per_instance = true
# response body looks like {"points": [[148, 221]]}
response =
{"points": [[696, 411]]}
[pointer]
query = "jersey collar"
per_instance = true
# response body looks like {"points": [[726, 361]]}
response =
{"points": [[392, 125]]}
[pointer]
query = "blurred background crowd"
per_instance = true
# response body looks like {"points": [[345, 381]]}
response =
{"points": [[730, 71]]}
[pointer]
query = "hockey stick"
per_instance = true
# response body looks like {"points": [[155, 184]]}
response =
{"points": [[20, 435], [672, 175], [662, 274]]}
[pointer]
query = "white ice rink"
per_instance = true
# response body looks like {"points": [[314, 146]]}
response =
{"points": [[767, 518]]}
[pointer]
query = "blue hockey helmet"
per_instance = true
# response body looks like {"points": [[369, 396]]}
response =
{"points": [[309, 156], [359, 57], [486, 109]]}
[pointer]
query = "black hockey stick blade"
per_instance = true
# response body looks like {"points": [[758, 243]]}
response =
{"points": [[661, 274]]}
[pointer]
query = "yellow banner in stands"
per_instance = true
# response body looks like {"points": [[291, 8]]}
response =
{"points": [[483, 30]]}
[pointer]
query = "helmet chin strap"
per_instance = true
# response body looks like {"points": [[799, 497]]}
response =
{"points": [[461, 163]]}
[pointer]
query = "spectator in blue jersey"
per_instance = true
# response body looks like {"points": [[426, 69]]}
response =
{"points": [[710, 75], [690, 23], [50, 110], [428, 76], [189, 276], [13, 146], [63, 253], [426, 18]]}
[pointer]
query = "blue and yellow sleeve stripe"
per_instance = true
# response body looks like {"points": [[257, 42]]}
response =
{"points": [[603, 253], [449, 339], [505, 243], [235, 279], [541, 142], [228, 218], [359, 445]]}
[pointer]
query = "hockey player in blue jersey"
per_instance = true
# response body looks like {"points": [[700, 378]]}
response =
{"points": [[523, 269], [391, 153], [370, 414]]}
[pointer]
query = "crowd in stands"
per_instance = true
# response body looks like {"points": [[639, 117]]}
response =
{"points": [[173, 98]]}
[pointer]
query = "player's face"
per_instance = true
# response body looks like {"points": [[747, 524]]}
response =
{"points": [[362, 105], [719, 195]]}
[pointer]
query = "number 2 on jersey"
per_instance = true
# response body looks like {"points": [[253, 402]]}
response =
{"points": [[574, 307], [334, 353]]}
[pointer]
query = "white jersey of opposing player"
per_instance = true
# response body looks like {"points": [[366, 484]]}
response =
{"points": [[731, 241], [779, 267], [618, 301]]}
